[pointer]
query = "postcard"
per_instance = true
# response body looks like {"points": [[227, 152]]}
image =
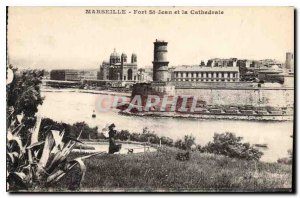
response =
{"points": [[150, 99]]}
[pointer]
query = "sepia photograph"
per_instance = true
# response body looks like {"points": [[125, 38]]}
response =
{"points": [[150, 99]]}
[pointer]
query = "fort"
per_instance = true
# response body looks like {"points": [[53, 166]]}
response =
{"points": [[223, 94]]}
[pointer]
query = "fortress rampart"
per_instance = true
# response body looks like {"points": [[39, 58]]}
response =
{"points": [[223, 94]]}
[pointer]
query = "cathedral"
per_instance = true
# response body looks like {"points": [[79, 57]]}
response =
{"points": [[118, 68]]}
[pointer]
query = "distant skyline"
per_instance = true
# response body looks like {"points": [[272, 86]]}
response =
{"points": [[67, 38]]}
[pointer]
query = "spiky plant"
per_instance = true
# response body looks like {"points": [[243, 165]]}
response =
{"points": [[41, 164]]}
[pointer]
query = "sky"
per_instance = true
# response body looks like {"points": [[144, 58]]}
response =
{"points": [[67, 38]]}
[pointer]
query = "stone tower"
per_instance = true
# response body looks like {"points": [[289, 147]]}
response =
{"points": [[160, 62]]}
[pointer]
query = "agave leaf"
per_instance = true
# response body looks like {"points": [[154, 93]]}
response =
{"points": [[57, 136], [58, 174], [35, 130], [59, 154], [49, 143], [53, 144], [20, 117], [18, 129], [30, 158], [82, 169], [35, 144], [55, 161]]}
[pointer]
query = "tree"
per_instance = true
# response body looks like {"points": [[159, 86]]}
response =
{"points": [[87, 132], [22, 100], [123, 135]]}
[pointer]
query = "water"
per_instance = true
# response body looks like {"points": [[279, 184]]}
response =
{"points": [[71, 107]]}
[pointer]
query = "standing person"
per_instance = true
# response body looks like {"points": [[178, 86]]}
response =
{"points": [[113, 147]]}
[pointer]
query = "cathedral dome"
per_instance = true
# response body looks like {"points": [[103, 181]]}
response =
{"points": [[114, 57], [114, 54]]}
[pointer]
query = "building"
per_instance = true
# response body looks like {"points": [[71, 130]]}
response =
{"points": [[217, 62], [65, 75], [289, 62], [206, 74], [89, 74], [145, 74], [118, 68]]}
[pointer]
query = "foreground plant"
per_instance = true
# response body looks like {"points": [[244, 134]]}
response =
{"points": [[41, 164], [32, 164]]}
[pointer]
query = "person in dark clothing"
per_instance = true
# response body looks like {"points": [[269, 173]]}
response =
{"points": [[113, 147]]}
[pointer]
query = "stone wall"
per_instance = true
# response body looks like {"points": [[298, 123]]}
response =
{"points": [[241, 97], [228, 94]]}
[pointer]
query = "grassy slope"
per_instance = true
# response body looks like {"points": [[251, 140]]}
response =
{"points": [[204, 172]]}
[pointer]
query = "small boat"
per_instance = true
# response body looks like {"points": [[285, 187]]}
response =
{"points": [[261, 145], [93, 115]]}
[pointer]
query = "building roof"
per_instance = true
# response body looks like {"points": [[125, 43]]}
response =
{"points": [[205, 69]]}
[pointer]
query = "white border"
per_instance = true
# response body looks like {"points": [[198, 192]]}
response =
{"points": [[4, 3]]}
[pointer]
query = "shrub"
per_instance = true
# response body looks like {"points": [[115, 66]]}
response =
{"points": [[167, 141], [185, 144], [123, 135], [230, 145]]}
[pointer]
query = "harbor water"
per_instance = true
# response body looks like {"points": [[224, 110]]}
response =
{"points": [[71, 107]]}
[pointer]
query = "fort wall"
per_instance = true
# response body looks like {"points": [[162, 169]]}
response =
{"points": [[242, 97], [224, 94]]}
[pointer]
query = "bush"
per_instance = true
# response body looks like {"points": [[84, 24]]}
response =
{"points": [[230, 145], [123, 135], [185, 144], [167, 141], [74, 130]]}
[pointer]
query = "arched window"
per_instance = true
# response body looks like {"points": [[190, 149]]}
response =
{"points": [[129, 74]]}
